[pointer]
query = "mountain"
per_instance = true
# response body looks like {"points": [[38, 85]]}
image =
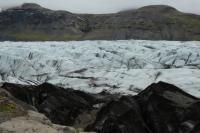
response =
{"points": [[31, 22]]}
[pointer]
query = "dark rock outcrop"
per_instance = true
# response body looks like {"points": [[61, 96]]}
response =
{"points": [[168, 109], [59, 105], [31, 22], [120, 116], [160, 108]]}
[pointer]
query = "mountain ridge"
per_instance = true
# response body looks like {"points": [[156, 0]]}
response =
{"points": [[31, 22]]}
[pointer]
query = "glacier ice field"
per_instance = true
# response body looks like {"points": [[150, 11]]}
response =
{"points": [[124, 66]]}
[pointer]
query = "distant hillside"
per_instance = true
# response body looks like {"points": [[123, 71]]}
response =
{"points": [[31, 22]]}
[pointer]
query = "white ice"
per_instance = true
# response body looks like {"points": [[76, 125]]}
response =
{"points": [[116, 66]]}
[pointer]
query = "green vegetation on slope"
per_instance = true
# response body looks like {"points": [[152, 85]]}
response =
{"points": [[196, 37], [6, 106], [35, 36]]}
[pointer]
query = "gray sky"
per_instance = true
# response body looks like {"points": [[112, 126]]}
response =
{"points": [[106, 6]]}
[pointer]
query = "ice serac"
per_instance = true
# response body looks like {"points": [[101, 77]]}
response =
{"points": [[31, 22], [125, 67]]}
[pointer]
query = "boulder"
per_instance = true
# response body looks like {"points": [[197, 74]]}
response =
{"points": [[167, 109], [120, 116]]}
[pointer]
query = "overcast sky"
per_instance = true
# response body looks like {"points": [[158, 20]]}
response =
{"points": [[106, 6]]}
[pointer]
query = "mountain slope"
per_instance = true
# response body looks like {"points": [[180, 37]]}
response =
{"points": [[32, 22]]}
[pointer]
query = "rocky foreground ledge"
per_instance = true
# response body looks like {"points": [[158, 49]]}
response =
{"points": [[160, 108]]}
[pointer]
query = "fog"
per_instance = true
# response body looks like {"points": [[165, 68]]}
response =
{"points": [[105, 6]]}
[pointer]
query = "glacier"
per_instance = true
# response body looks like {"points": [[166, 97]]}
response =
{"points": [[124, 66]]}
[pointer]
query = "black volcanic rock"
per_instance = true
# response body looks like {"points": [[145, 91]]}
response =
{"points": [[59, 105], [31, 22], [160, 108], [120, 116], [167, 109]]}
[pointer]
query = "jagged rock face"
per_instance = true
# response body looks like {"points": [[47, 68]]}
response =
{"points": [[32, 22], [160, 108]]}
